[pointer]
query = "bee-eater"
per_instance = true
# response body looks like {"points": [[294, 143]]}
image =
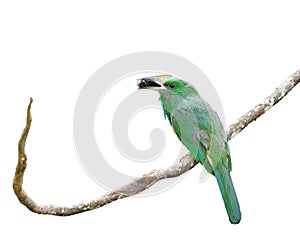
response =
{"points": [[199, 128]]}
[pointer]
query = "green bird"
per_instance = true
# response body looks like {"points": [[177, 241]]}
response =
{"points": [[199, 128]]}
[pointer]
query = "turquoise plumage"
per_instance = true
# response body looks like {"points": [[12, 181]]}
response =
{"points": [[199, 128]]}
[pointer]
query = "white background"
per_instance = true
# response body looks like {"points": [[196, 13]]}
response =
{"points": [[48, 51]]}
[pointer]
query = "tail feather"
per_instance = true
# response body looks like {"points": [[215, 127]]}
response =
{"points": [[228, 193]]}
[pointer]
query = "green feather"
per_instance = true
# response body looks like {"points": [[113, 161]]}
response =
{"points": [[199, 128]]}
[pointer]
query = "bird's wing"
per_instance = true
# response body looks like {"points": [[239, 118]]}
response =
{"points": [[192, 127], [228, 164]]}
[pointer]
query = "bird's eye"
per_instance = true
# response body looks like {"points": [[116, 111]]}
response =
{"points": [[172, 85]]}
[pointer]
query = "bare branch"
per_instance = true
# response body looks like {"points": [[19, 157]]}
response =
{"points": [[186, 163], [263, 107]]}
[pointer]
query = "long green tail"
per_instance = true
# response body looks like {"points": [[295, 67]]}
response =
{"points": [[228, 193]]}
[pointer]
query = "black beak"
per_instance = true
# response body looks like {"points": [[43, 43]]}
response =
{"points": [[148, 82]]}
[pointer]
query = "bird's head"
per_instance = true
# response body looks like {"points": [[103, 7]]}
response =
{"points": [[167, 85]]}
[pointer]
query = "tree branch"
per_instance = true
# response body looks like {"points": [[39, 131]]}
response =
{"points": [[186, 163], [263, 107]]}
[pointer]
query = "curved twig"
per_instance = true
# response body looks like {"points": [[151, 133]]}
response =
{"points": [[186, 163]]}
